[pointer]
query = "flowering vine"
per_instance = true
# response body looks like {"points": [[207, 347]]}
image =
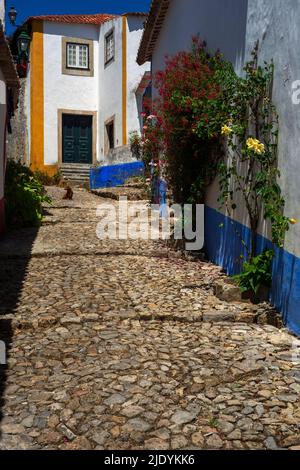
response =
{"points": [[207, 121], [190, 114], [251, 135]]}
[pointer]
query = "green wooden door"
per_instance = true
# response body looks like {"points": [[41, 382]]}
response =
{"points": [[77, 139]]}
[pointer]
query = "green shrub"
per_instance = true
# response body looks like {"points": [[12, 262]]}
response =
{"points": [[47, 180], [256, 273], [24, 196], [135, 144]]}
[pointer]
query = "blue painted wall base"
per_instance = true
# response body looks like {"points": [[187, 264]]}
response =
{"points": [[114, 175], [224, 248]]}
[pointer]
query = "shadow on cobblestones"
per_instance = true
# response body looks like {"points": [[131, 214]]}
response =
{"points": [[13, 270]]}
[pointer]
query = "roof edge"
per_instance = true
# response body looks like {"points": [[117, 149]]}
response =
{"points": [[61, 18], [154, 23], [135, 13], [9, 71]]}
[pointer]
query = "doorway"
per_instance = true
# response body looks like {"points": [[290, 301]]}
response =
{"points": [[77, 139]]}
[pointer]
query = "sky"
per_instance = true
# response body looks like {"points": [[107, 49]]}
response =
{"points": [[28, 8]]}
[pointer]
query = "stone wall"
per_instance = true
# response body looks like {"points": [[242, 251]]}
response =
{"points": [[18, 141], [119, 155]]}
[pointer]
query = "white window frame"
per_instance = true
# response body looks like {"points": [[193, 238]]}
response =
{"points": [[109, 49], [77, 64]]}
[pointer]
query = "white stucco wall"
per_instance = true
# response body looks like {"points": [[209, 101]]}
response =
{"points": [[65, 91], [222, 24], [110, 84], [276, 24], [2, 130], [101, 93], [135, 72], [234, 26], [110, 79]]}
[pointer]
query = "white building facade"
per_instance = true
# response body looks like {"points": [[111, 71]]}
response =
{"points": [[234, 27], [81, 102]]}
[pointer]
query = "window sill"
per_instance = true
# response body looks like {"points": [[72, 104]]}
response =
{"points": [[77, 72], [79, 69], [109, 62]]}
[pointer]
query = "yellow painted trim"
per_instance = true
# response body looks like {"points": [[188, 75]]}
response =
{"points": [[124, 80], [37, 96], [51, 170]]}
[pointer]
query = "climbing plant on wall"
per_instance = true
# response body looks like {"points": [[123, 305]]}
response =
{"points": [[249, 174], [209, 121], [190, 111]]}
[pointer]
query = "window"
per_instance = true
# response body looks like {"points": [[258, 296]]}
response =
{"points": [[109, 47], [109, 140], [77, 56], [110, 135]]}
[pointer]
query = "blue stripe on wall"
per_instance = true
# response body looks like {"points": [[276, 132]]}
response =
{"points": [[223, 244], [114, 175]]}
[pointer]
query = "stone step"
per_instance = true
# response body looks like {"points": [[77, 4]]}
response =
{"points": [[75, 176], [76, 173], [72, 170], [76, 165], [75, 168]]}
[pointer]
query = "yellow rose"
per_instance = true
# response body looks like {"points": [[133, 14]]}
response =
{"points": [[256, 146], [226, 130], [293, 221]]}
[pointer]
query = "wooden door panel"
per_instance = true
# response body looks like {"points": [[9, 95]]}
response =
{"points": [[77, 139]]}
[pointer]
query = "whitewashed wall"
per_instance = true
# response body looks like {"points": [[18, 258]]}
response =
{"points": [[134, 72], [2, 130], [271, 23], [234, 26], [110, 79], [65, 91], [110, 85], [222, 24], [276, 23]]}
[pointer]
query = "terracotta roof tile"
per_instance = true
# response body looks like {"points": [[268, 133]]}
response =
{"points": [[97, 19]]}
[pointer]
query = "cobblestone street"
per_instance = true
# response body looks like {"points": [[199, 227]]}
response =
{"points": [[113, 345]]}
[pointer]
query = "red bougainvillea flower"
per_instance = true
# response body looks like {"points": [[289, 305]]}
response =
{"points": [[185, 117]]}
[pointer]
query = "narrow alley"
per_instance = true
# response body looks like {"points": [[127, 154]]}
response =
{"points": [[118, 345]]}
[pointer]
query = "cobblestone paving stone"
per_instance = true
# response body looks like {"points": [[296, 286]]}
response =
{"points": [[109, 351]]}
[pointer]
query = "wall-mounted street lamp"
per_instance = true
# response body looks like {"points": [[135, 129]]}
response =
{"points": [[12, 15], [21, 41]]}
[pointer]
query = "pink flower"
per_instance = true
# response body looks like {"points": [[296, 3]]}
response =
{"points": [[143, 115]]}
